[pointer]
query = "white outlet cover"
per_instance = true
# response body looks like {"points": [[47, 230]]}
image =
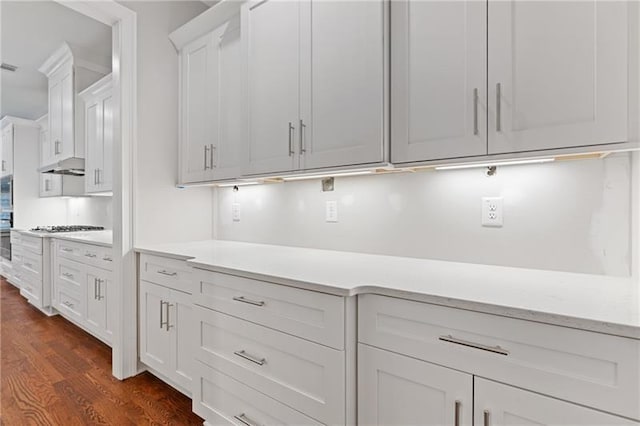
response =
{"points": [[235, 212], [331, 211], [492, 213]]}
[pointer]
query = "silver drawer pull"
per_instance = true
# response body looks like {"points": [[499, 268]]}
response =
{"points": [[68, 250], [68, 304], [493, 349], [90, 255], [249, 301], [255, 360], [68, 275], [167, 273], [28, 265], [107, 259], [242, 418]]}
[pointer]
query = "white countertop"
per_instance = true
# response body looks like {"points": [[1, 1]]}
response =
{"points": [[99, 238], [589, 302]]}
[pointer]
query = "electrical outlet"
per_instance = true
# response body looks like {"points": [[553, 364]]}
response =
{"points": [[492, 214], [332, 211], [235, 212]]}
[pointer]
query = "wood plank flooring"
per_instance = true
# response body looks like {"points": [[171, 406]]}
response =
{"points": [[53, 373]]}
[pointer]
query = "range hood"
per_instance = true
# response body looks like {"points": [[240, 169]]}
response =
{"points": [[69, 166]]}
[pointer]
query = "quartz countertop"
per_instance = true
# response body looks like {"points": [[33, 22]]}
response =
{"points": [[589, 302], [99, 238]]}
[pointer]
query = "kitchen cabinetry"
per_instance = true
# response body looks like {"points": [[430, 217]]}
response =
{"points": [[98, 128], [7, 151], [50, 184], [83, 287], [68, 74], [212, 117], [316, 96], [585, 368], [167, 332], [32, 270], [562, 89]]}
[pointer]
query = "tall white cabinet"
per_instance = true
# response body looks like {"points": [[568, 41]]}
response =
{"points": [[98, 134], [6, 160], [475, 78], [212, 119], [316, 84]]}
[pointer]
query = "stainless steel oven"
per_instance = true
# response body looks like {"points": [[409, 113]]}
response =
{"points": [[6, 216]]}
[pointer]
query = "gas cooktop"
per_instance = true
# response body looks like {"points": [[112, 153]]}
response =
{"points": [[67, 228]]}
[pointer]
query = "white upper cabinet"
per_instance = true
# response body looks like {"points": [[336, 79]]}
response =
{"points": [[316, 84], [558, 74], [98, 128], [438, 86], [7, 151], [272, 48], [212, 123], [343, 82]]}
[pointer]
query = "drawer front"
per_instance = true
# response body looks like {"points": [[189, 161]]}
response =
{"points": [[33, 244], [221, 400], [167, 272], [15, 238], [70, 304], [311, 315], [105, 258], [30, 285], [69, 250], [32, 264], [69, 273], [301, 374], [593, 369], [98, 256]]}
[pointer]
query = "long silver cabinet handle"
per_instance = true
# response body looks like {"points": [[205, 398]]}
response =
{"points": [[486, 416], [242, 418], [95, 289], [291, 130], [457, 406], [494, 349], [169, 274], [302, 127], [249, 301], [255, 360], [475, 111], [498, 107], [161, 319], [206, 150]]}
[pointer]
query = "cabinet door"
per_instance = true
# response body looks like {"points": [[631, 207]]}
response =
{"points": [[398, 390], [501, 405], [272, 51], [231, 117], [107, 294], [105, 175], [50, 185], [96, 308], [155, 340], [342, 81], [198, 108], [7, 151], [55, 120], [182, 325], [67, 94], [438, 79], [93, 135], [564, 86], [45, 146]]}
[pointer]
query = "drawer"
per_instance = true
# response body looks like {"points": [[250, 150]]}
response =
{"points": [[88, 254], [70, 274], [304, 375], [15, 238], [30, 285], [311, 315], [33, 244], [69, 304], [171, 273], [68, 250], [221, 400], [593, 369], [31, 263], [105, 259]]}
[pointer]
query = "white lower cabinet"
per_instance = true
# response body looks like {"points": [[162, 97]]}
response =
{"points": [[167, 334], [397, 390], [501, 405], [83, 293]]}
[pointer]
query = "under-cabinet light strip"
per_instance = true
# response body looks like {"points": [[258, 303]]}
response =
{"points": [[495, 163]]}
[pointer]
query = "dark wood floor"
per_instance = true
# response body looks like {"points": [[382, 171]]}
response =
{"points": [[53, 373]]}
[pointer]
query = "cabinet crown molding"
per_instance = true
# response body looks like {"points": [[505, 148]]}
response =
{"points": [[67, 53], [8, 120], [97, 88], [206, 22]]}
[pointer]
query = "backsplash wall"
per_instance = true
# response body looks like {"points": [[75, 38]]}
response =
{"points": [[567, 216]]}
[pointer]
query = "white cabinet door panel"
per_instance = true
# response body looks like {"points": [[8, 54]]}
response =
{"points": [[106, 171], [501, 405], [272, 49], [342, 63], [67, 100], [398, 390], [93, 135], [558, 74], [155, 341], [438, 86], [183, 324]]}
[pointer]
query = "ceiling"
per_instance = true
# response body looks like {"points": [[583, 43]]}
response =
{"points": [[30, 32]]}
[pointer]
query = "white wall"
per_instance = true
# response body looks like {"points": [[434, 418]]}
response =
{"points": [[162, 212], [569, 216]]}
